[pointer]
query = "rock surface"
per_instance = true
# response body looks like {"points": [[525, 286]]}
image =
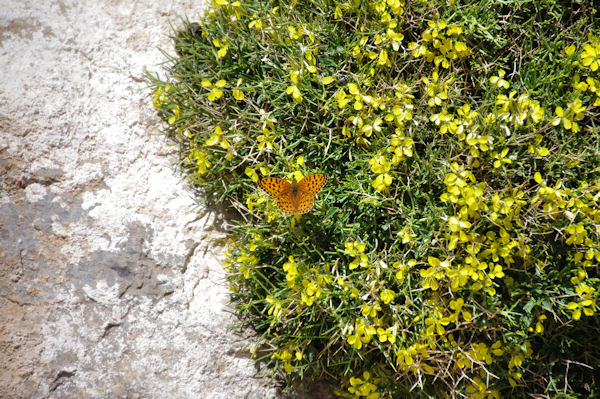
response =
{"points": [[109, 283]]}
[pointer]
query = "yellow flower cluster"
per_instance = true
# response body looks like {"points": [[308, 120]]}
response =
{"points": [[377, 49], [244, 263], [479, 353], [413, 358], [293, 90], [160, 96], [363, 387], [517, 110], [401, 147], [222, 45], [216, 89], [312, 287], [579, 204], [275, 310], [381, 166], [478, 389], [587, 301], [436, 90], [286, 357], [217, 139], [590, 56], [161, 101], [356, 249], [200, 160], [291, 269], [360, 333], [592, 85], [570, 116], [441, 44]]}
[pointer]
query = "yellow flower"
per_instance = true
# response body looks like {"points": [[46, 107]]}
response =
{"points": [[295, 92], [291, 268], [176, 114], [395, 38], [294, 33], [338, 13], [570, 116], [368, 129], [342, 99], [577, 234], [251, 174], [294, 76], [407, 236], [222, 46], [217, 139], [354, 248], [594, 87], [160, 96], [265, 140], [590, 56], [311, 292], [370, 311], [382, 182], [201, 160], [383, 58], [255, 23], [215, 92], [396, 6], [275, 310], [238, 94], [379, 164], [355, 341], [539, 326], [499, 81], [361, 260], [501, 158], [437, 92], [387, 296], [386, 335]]}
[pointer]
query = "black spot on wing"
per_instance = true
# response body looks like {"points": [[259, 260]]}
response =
{"points": [[272, 185]]}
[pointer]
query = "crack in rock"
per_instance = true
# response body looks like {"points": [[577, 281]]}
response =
{"points": [[60, 378]]}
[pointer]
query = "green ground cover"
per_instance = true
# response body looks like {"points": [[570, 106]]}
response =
{"points": [[454, 250]]}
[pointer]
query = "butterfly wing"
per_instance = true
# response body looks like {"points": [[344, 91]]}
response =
{"points": [[274, 186], [286, 203], [304, 202], [307, 189], [312, 184]]}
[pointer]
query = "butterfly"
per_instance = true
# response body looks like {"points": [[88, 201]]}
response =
{"points": [[294, 197]]}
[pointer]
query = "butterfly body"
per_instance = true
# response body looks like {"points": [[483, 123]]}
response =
{"points": [[294, 196], [294, 188]]}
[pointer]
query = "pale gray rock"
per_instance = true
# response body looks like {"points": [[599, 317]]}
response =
{"points": [[110, 282]]}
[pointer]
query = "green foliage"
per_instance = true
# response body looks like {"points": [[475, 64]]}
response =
{"points": [[455, 249]]}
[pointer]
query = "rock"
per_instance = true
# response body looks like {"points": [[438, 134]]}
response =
{"points": [[110, 284]]}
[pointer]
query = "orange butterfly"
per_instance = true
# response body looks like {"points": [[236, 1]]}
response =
{"points": [[294, 197]]}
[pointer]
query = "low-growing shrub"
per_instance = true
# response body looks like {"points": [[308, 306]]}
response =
{"points": [[454, 250]]}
